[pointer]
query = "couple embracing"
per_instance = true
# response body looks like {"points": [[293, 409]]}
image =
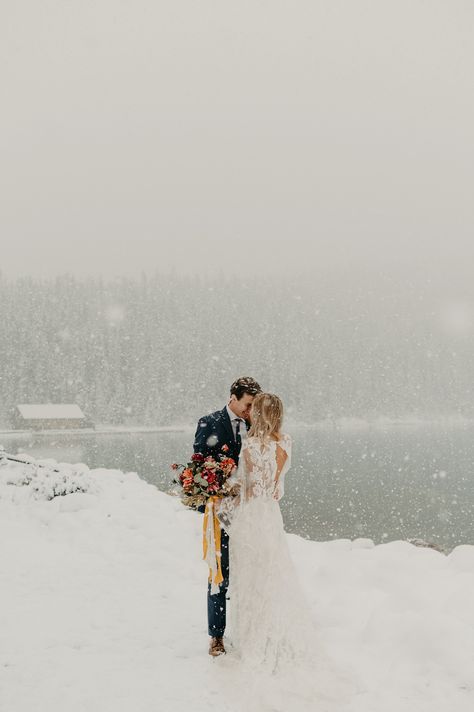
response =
{"points": [[269, 619]]}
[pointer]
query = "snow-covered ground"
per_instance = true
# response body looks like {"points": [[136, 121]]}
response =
{"points": [[102, 608]]}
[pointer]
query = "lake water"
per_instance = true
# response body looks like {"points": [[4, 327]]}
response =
{"points": [[385, 484]]}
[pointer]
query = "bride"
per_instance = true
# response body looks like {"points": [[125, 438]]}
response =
{"points": [[270, 620]]}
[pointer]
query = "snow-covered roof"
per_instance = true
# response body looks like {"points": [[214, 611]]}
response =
{"points": [[51, 411]]}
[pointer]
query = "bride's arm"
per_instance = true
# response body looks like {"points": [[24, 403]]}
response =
{"points": [[237, 484], [281, 458]]}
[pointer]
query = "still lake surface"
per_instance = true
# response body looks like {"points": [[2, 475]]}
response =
{"points": [[386, 484]]}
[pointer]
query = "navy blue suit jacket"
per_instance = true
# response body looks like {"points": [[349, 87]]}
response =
{"points": [[213, 431]]}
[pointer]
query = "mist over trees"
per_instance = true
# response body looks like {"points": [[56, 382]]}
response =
{"points": [[164, 349]]}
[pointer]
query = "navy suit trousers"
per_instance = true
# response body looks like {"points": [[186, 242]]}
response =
{"points": [[216, 604]]}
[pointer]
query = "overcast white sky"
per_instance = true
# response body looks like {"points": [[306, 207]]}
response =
{"points": [[258, 134]]}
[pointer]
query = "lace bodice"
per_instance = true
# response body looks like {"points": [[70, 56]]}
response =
{"points": [[262, 467]]}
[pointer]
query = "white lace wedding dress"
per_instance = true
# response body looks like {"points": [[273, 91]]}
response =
{"points": [[270, 619]]}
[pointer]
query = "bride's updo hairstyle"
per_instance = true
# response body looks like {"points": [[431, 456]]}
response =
{"points": [[266, 416]]}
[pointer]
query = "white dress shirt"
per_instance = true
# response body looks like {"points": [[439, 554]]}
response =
{"points": [[233, 420]]}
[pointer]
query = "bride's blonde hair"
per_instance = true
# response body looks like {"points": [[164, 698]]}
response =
{"points": [[266, 416]]}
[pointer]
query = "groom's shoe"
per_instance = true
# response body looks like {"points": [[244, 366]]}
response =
{"points": [[216, 647]]}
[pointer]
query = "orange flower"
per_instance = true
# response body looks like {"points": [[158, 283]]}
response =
{"points": [[228, 465]]}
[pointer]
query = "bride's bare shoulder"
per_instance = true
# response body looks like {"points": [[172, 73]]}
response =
{"points": [[285, 440]]}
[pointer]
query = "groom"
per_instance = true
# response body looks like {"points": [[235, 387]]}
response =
{"points": [[225, 427]]}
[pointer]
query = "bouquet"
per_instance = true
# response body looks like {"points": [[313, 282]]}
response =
{"points": [[204, 477]]}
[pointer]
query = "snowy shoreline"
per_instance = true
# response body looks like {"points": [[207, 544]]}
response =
{"points": [[101, 430], [381, 422], [103, 608]]}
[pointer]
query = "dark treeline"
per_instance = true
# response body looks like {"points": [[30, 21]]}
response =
{"points": [[164, 349]]}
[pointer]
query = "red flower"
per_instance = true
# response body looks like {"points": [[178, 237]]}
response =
{"points": [[174, 466], [225, 448], [197, 457]]}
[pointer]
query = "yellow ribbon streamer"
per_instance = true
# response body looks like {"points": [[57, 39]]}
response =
{"points": [[211, 544]]}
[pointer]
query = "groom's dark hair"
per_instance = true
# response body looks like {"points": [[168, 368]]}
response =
{"points": [[244, 385]]}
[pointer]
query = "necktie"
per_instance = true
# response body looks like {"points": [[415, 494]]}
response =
{"points": [[238, 439]]}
